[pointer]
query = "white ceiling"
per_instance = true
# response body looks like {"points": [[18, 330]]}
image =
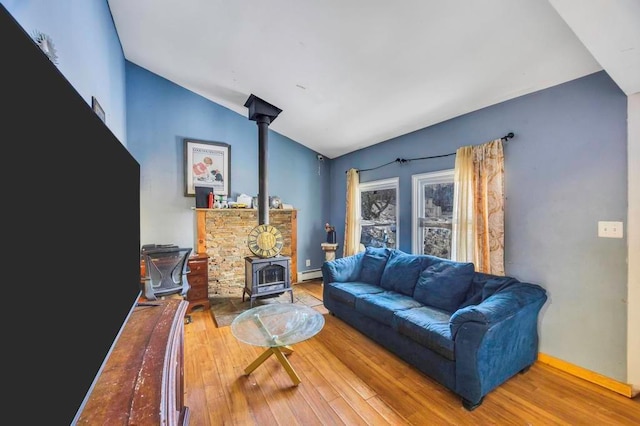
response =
{"points": [[348, 74]]}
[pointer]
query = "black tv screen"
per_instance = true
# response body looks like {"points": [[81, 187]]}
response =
{"points": [[71, 195]]}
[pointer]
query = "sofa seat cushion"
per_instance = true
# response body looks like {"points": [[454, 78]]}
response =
{"points": [[382, 306], [444, 284], [427, 326], [401, 272], [347, 292]]}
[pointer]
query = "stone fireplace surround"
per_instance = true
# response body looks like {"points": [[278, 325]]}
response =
{"points": [[222, 235]]}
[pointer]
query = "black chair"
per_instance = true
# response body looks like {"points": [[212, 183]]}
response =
{"points": [[166, 270], [154, 246]]}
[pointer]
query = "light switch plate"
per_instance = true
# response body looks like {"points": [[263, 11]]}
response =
{"points": [[610, 229]]}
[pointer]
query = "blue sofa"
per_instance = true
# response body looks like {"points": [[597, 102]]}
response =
{"points": [[467, 330]]}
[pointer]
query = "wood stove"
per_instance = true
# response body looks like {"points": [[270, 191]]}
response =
{"points": [[267, 274], [266, 277]]}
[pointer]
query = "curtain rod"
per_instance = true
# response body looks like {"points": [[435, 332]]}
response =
{"points": [[406, 160]]}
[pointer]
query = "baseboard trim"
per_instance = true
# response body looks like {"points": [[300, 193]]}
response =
{"points": [[588, 375], [309, 274]]}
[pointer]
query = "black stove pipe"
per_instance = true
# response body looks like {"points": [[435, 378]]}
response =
{"points": [[263, 192], [263, 113]]}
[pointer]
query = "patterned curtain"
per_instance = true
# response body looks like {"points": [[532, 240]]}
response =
{"points": [[352, 216], [478, 228], [488, 162]]}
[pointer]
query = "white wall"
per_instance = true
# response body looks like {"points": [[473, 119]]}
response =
{"points": [[633, 239]]}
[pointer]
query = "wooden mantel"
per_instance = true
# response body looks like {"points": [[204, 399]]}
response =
{"points": [[222, 235]]}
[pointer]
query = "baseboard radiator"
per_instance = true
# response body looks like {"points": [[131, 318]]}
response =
{"points": [[310, 274]]}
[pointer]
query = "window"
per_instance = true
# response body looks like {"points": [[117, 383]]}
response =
{"points": [[432, 214], [379, 213]]}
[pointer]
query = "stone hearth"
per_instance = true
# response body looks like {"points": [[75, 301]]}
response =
{"points": [[222, 235]]}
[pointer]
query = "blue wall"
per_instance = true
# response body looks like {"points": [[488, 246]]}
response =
{"points": [[160, 114], [565, 170], [88, 50]]}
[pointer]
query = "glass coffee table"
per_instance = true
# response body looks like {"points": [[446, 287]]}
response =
{"points": [[276, 327]]}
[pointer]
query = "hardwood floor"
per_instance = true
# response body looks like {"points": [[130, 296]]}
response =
{"points": [[347, 379]]}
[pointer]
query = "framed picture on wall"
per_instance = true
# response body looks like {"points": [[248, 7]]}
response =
{"points": [[97, 108], [206, 164]]}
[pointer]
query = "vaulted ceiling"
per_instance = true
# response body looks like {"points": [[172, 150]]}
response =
{"points": [[348, 74]]}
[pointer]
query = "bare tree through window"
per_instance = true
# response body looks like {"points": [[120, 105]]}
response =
{"points": [[438, 217], [378, 211], [433, 196]]}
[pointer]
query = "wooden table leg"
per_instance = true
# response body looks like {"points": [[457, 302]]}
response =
{"points": [[280, 354], [286, 364], [262, 358]]}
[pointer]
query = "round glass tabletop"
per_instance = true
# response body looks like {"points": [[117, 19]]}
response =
{"points": [[278, 324]]}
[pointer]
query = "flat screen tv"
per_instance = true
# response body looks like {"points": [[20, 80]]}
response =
{"points": [[71, 219]]}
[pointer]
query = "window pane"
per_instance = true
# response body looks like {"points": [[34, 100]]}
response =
{"points": [[378, 223], [432, 213], [437, 219]]}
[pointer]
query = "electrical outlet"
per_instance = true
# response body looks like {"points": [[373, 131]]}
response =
{"points": [[610, 229], [308, 262]]}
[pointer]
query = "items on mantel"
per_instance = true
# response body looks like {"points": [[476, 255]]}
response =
{"points": [[209, 200]]}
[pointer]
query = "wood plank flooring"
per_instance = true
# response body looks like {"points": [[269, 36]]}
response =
{"points": [[347, 379]]}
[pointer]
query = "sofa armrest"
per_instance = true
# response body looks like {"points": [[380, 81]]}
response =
{"points": [[497, 307], [495, 339], [342, 269]]}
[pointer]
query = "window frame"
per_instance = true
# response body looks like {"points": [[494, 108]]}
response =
{"points": [[375, 185], [418, 182]]}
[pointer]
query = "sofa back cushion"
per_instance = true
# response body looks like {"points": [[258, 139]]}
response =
{"points": [[444, 284], [342, 269], [485, 285], [373, 263], [401, 272]]}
